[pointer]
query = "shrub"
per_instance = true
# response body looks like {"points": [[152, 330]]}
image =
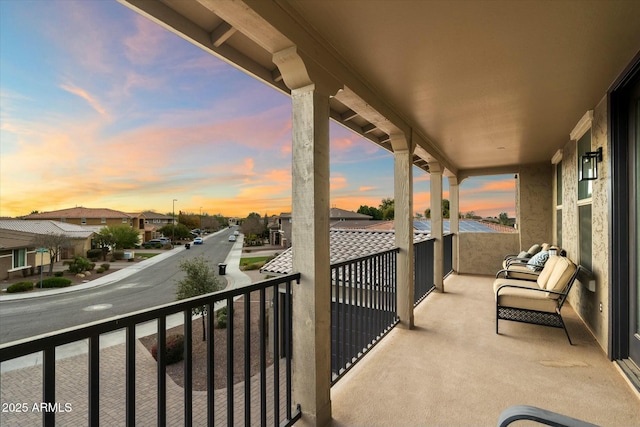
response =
{"points": [[54, 282], [79, 264], [174, 350], [105, 266], [99, 270], [118, 255], [222, 317], [58, 273], [94, 253], [20, 287]]}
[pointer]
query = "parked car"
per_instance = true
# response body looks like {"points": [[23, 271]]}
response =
{"points": [[156, 243], [236, 233], [232, 238], [198, 241]]}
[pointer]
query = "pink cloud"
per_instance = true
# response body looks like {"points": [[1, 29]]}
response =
{"points": [[90, 99]]}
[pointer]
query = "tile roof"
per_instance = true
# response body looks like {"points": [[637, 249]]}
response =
{"points": [[46, 227], [79, 212], [344, 245]]}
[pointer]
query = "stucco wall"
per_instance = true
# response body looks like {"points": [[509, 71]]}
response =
{"points": [[482, 253], [535, 204], [584, 301]]}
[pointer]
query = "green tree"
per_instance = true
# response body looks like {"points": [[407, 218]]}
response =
{"points": [[373, 212], [122, 236], [253, 224], [189, 220], [53, 243], [387, 207], [181, 231], [446, 213], [199, 280], [503, 218], [104, 240]]}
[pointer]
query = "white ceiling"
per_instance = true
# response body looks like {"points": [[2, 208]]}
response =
{"points": [[482, 84]]}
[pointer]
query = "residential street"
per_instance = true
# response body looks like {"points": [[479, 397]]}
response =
{"points": [[148, 287]]}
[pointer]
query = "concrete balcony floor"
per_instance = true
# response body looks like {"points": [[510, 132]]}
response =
{"points": [[453, 370]]}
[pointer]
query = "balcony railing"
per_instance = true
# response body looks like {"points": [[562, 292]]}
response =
{"points": [[262, 397], [447, 242], [423, 270], [363, 307]]}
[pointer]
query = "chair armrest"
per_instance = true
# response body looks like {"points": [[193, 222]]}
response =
{"points": [[542, 416], [517, 261], [505, 273], [546, 291]]}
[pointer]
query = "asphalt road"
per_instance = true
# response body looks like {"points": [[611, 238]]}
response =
{"points": [[152, 286]]}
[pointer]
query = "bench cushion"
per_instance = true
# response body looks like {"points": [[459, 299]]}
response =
{"points": [[523, 298], [562, 271]]}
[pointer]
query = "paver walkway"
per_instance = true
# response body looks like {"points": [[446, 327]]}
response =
{"points": [[24, 386], [21, 386]]}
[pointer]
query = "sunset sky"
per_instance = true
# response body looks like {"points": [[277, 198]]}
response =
{"points": [[100, 107]]}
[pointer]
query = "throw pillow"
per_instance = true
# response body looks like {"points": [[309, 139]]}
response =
{"points": [[524, 254], [536, 263]]}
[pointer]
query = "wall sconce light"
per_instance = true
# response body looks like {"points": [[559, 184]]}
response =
{"points": [[589, 164]]}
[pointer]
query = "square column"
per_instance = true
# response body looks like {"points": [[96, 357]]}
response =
{"points": [[454, 218], [403, 224], [435, 172], [310, 239]]}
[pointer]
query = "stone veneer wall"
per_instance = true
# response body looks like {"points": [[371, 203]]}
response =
{"points": [[585, 302]]}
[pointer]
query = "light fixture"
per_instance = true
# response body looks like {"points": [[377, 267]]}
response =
{"points": [[589, 165]]}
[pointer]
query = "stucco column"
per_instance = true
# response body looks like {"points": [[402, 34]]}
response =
{"points": [[403, 224], [310, 238], [435, 172], [454, 217]]}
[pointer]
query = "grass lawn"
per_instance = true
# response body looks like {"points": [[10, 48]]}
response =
{"points": [[147, 254], [253, 263]]}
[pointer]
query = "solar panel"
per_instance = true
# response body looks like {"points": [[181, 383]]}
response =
{"points": [[465, 226]]}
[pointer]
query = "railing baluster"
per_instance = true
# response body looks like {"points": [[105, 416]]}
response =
{"points": [[211, 413], [49, 384], [130, 375], [276, 355], [263, 359], [230, 362], [162, 371], [289, 331], [247, 359], [94, 380], [188, 369]]}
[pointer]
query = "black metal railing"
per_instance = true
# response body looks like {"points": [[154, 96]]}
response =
{"points": [[423, 270], [256, 389], [447, 242], [363, 307]]}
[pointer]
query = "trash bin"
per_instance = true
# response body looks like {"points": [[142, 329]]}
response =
{"points": [[222, 269], [187, 245]]}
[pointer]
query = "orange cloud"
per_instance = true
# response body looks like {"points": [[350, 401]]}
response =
{"points": [[337, 182]]}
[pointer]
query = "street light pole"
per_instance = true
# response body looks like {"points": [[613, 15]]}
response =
{"points": [[200, 226], [173, 218]]}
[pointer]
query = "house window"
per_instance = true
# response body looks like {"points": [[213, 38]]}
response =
{"points": [[63, 219], [103, 220], [584, 206], [19, 258], [124, 221], [83, 221]]}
